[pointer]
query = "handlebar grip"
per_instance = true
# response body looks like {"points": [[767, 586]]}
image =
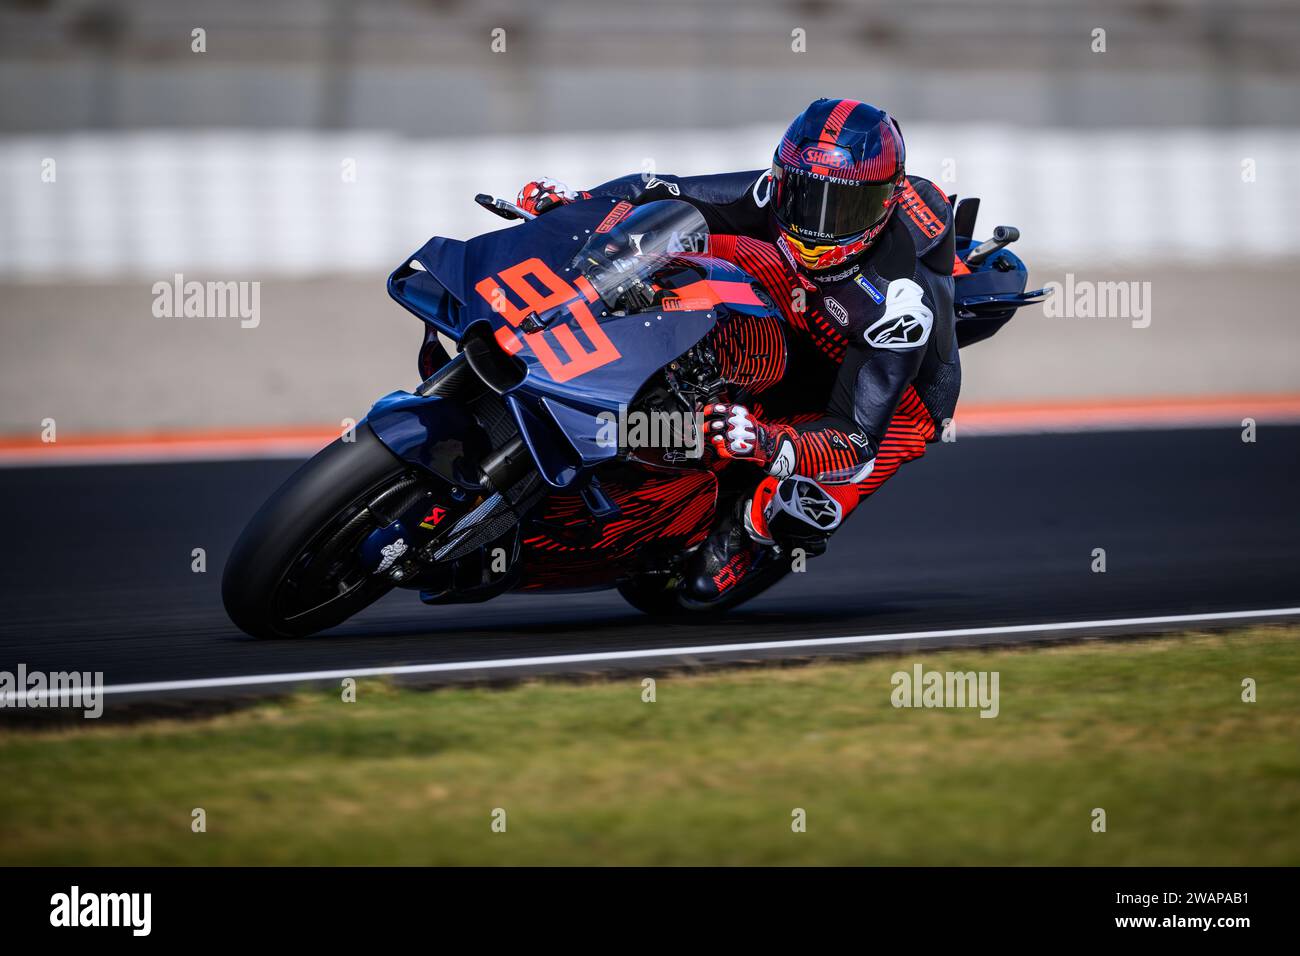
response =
{"points": [[1002, 236]]}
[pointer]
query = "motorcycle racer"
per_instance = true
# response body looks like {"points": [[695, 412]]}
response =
{"points": [[860, 257]]}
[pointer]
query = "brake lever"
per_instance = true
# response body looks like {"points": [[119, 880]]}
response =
{"points": [[502, 207]]}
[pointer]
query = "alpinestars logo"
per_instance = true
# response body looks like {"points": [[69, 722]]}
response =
{"points": [[823, 279], [783, 462], [391, 553], [656, 182], [837, 311], [907, 320], [804, 281], [822, 511]]}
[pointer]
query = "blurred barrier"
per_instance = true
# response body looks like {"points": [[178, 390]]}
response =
{"points": [[476, 67], [238, 204]]}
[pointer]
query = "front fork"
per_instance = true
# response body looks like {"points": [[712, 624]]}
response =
{"points": [[452, 535]]}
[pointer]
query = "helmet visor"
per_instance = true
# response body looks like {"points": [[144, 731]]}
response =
{"points": [[818, 208]]}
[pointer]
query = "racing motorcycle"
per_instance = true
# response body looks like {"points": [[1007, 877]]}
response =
{"points": [[509, 468]]}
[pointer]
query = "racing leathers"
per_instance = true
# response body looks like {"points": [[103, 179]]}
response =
{"points": [[873, 346]]}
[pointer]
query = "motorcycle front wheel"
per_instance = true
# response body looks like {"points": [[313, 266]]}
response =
{"points": [[295, 570]]}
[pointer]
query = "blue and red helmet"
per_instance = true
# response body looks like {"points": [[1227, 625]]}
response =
{"points": [[835, 173]]}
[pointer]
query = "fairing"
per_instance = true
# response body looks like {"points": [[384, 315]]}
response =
{"points": [[524, 288]]}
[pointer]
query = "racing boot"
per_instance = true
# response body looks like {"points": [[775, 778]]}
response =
{"points": [[750, 549]]}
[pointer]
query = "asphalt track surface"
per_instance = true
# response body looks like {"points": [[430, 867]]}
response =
{"points": [[95, 574]]}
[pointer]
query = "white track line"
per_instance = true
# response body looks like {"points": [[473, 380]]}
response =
{"points": [[11, 697]]}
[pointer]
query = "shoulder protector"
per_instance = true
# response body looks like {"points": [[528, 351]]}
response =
{"points": [[925, 211]]}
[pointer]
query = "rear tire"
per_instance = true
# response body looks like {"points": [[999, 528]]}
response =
{"points": [[653, 594], [301, 545]]}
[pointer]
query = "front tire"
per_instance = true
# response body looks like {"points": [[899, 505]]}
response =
{"points": [[295, 570]]}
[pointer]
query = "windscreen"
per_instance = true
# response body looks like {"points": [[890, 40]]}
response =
{"points": [[621, 262]]}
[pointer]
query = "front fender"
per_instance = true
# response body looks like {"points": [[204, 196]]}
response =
{"points": [[433, 432]]}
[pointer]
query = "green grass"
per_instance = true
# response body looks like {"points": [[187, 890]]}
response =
{"points": [[1154, 732]]}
